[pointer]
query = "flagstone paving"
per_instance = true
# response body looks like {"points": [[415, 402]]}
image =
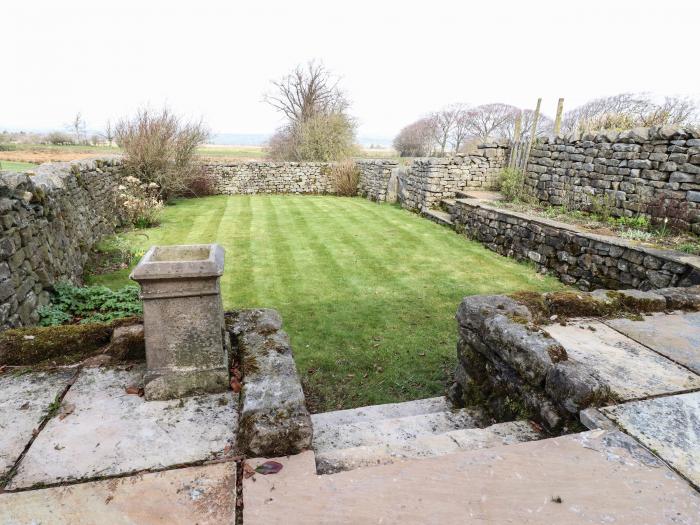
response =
{"points": [[676, 336], [203, 495], [24, 403], [670, 426], [593, 477], [629, 369], [101, 430]]}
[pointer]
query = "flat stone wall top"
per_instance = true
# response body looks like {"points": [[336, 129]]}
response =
{"points": [[577, 257]]}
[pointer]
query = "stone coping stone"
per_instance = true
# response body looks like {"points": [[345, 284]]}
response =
{"points": [[627, 368], [205, 495], [24, 403], [676, 335], [101, 430], [671, 255], [669, 426], [593, 477]]}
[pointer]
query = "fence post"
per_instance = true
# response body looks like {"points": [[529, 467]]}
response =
{"points": [[533, 132], [516, 140], [557, 121]]}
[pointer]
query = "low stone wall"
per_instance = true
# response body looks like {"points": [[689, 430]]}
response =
{"points": [[425, 182], [376, 180], [577, 258], [50, 221], [509, 364], [649, 171], [274, 420], [270, 177]]}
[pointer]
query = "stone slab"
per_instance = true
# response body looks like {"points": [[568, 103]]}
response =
{"points": [[109, 432], [24, 402], [676, 336], [377, 412], [594, 477], [204, 495], [629, 369], [670, 426]]}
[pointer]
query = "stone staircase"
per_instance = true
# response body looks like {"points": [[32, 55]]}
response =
{"points": [[381, 434], [445, 213]]}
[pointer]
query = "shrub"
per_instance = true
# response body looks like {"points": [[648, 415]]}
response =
{"points": [[139, 202], [692, 248], [159, 148], [511, 183], [59, 138], [602, 206], [320, 138], [345, 176], [201, 184], [90, 304]]}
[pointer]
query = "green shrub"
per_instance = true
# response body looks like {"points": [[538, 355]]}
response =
{"points": [[512, 184], [90, 304], [602, 206]]}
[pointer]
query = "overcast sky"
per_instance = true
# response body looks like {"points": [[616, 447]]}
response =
{"points": [[398, 60]]}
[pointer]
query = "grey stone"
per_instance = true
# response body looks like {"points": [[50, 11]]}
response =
{"points": [[183, 320], [670, 426], [105, 432], [274, 417]]}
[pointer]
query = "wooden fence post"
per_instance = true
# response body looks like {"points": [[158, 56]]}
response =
{"points": [[533, 132], [516, 140], [557, 121]]}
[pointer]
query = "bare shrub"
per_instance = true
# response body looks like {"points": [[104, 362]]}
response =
{"points": [[201, 184], [160, 148], [346, 177]]}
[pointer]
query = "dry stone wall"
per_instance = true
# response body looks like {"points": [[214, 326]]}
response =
{"points": [[576, 257], [49, 222], [425, 182], [270, 177], [652, 171]]}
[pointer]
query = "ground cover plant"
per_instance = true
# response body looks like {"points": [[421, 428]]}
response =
{"points": [[368, 292]]}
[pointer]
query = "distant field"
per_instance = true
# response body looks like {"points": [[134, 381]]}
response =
{"points": [[6, 165], [39, 153]]}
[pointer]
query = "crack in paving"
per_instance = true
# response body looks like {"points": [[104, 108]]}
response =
{"points": [[50, 414]]}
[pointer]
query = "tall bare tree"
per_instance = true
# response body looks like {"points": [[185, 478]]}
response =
{"points": [[416, 139], [545, 125], [109, 133], [489, 120], [78, 127], [309, 90], [460, 128]]}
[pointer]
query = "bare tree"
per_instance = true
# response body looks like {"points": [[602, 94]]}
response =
{"points": [[489, 120], [460, 128], [673, 110], [416, 139], [545, 125], [78, 127], [109, 133], [443, 124], [307, 91], [318, 127]]}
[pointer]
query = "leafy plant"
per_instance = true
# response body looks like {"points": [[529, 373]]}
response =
{"points": [[637, 235], [512, 184], [90, 304], [692, 248], [602, 206]]}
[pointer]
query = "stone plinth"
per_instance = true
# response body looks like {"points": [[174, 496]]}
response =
{"points": [[183, 320]]}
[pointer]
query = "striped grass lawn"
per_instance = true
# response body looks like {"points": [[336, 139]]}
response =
{"points": [[367, 292]]}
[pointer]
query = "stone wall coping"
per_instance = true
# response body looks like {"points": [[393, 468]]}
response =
{"points": [[50, 175], [679, 257], [639, 135]]}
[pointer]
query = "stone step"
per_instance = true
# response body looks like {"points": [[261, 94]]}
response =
{"points": [[438, 216], [480, 194], [447, 205], [377, 412], [392, 431], [427, 445]]}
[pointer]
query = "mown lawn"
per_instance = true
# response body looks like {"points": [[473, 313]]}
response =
{"points": [[367, 292]]}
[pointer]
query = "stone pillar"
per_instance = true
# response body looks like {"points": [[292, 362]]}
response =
{"points": [[186, 351]]}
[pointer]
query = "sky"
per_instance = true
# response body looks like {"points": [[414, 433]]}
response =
{"points": [[397, 60]]}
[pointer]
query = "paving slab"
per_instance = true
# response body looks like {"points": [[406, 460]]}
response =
{"points": [[203, 495], [107, 432], [670, 426], [24, 402], [628, 368], [676, 336], [593, 477]]}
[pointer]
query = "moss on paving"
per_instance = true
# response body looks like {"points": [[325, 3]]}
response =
{"points": [[367, 292]]}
